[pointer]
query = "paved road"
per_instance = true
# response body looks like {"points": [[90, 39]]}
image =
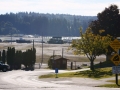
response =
{"points": [[28, 80]]}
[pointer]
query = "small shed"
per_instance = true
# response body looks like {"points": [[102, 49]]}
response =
{"points": [[59, 62]]}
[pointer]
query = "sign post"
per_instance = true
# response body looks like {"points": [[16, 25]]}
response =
{"points": [[116, 59], [115, 45], [116, 69], [56, 71]]}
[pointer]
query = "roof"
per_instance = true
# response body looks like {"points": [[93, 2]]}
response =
{"points": [[57, 57], [61, 58]]}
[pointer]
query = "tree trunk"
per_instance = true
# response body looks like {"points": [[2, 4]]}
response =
{"points": [[108, 56], [92, 65]]}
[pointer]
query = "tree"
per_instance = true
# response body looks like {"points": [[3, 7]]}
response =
{"points": [[7, 27], [11, 57], [108, 20], [29, 58], [0, 56], [3, 56], [18, 59], [91, 45], [50, 61]]}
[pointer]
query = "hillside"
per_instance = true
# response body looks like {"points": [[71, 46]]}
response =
{"points": [[43, 24]]}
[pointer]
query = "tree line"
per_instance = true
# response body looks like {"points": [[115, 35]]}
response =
{"points": [[16, 58], [43, 24]]}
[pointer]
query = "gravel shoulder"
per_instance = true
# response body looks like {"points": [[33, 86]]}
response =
{"points": [[28, 80], [76, 81]]}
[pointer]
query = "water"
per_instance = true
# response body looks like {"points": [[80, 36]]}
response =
{"points": [[36, 39]]}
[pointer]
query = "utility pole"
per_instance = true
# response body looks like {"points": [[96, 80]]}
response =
{"points": [[33, 44], [53, 54], [42, 53], [62, 52], [53, 61], [69, 35], [11, 37], [42, 49]]}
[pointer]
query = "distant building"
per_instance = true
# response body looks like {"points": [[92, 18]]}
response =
{"points": [[56, 40], [59, 62], [23, 41]]}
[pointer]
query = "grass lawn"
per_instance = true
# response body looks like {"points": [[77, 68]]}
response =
{"points": [[111, 85], [96, 74]]}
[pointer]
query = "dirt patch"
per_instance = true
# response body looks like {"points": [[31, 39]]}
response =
{"points": [[48, 51]]}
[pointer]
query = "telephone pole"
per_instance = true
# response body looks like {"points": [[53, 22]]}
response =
{"points": [[42, 53]]}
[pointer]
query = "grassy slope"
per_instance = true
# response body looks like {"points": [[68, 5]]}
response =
{"points": [[97, 74]]}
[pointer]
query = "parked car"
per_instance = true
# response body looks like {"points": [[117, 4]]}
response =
{"points": [[4, 67], [0, 40]]}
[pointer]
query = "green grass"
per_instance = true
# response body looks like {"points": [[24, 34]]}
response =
{"points": [[111, 85], [96, 74], [113, 81], [107, 63]]}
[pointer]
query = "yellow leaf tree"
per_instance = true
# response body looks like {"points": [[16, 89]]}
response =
{"points": [[91, 45]]}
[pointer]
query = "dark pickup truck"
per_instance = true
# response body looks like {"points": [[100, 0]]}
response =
{"points": [[4, 67]]}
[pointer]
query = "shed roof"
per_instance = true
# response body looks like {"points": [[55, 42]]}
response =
{"points": [[61, 59]]}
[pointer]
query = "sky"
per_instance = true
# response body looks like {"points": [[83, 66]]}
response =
{"points": [[73, 7]]}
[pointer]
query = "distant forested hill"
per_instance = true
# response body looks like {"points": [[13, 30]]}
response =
{"points": [[46, 24]]}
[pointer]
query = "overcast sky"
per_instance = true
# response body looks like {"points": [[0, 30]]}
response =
{"points": [[74, 7]]}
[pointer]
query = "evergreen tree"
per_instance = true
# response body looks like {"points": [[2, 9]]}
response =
{"points": [[3, 56], [108, 20]]}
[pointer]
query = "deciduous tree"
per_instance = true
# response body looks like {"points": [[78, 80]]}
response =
{"points": [[91, 45]]}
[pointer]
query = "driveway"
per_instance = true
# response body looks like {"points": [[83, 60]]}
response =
{"points": [[28, 80]]}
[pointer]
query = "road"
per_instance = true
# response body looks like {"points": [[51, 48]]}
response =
{"points": [[28, 80]]}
